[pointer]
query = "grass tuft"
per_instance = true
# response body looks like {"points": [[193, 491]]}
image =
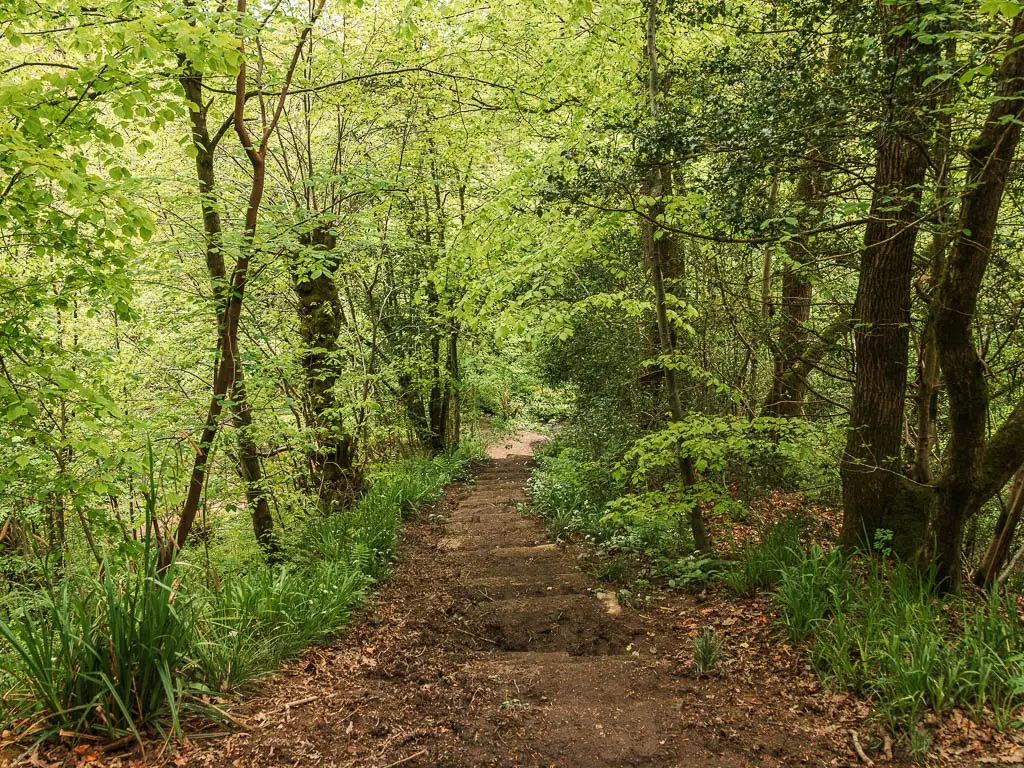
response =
{"points": [[707, 651]]}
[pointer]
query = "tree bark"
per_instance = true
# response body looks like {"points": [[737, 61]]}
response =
{"points": [[248, 457], [1002, 540], [332, 457], [962, 486], [228, 370], [926, 400], [875, 493], [789, 383], [659, 247]]}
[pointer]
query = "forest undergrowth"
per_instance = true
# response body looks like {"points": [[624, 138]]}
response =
{"points": [[758, 265], [868, 624], [127, 651]]}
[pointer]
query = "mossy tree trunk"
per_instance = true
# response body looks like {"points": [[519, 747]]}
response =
{"points": [[332, 457], [976, 468]]}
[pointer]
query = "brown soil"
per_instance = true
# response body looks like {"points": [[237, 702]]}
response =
{"points": [[491, 647]]}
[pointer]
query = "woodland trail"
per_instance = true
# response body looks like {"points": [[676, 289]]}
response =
{"points": [[490, 647]]}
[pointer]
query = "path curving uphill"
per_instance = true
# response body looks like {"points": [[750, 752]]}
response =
{"points": [[490, 647]]}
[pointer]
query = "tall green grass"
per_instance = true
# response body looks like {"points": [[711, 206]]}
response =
{"points": [[761, 565], [889, 637], [882, 631], [102, 656], [130, 650]]}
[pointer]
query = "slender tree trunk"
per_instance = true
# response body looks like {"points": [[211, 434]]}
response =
{"points": [[251, 470], [763, 336], [659, 246], [248, 458], [926, 400], [875, 494], [455, 431], [415, 408], [438, 403], [960, 487], [789, 381], [1002, 540], [228, 369]]}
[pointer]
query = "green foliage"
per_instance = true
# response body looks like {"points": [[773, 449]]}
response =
{"points": [[507, 388], [761, 565], [131, 649], [104, 655], [715, 443], [572, 493], [707, 650], [250, 625], [808, 588], [893, 640], [694, 570], [882, 632]]}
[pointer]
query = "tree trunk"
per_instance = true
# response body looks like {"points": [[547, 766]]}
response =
{"points": [[875, 493], [926, 400], [228, 369], [251, 471], [455, 431], [1002, 539], [961, 485], [658, 246], [248, 458], [415, 408], [334, 471], [789, 382]]}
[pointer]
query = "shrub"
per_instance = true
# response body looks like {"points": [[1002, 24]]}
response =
{"points": [[887, 636], [811, 587], [760, 565], [571, 493], [251, 625]]}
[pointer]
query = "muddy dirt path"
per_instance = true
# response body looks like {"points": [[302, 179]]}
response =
{"points": [[490, 647]]}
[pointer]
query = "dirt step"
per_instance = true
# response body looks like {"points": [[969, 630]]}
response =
{"points": [[548, 568], [502, 506], [504, 587], [491, 541], [573, 623], [495, 527], [590, 710], [539, 561], [641, 734], [617, 680], [484, 506], [484, 516]]}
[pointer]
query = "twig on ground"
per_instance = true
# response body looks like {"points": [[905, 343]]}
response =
{"points": [[296, 703], [237, 721], [888, 748], [405, 759], [110, 746], [474, 634], [860, 750], [66, 734]]}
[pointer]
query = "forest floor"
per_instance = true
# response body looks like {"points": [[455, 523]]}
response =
{"points": [[491, 646]]}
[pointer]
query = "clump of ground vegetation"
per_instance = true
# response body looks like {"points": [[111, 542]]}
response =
{"points": [[130, 649]]}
